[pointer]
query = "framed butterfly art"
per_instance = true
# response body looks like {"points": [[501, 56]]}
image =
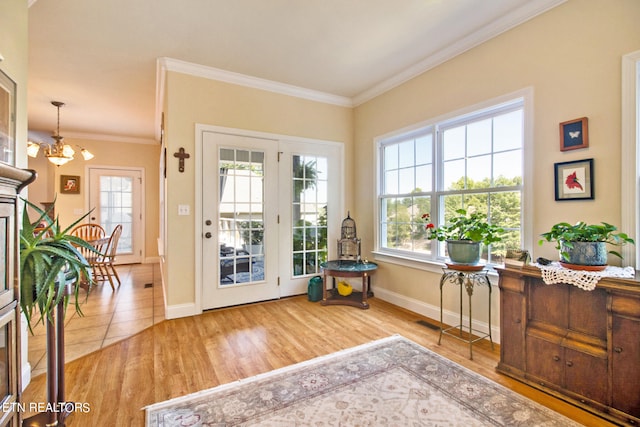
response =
{"points": [[574, 134], [574, 180]]}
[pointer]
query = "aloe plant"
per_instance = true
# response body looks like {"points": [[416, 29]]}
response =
{"points": [[49, 256]]}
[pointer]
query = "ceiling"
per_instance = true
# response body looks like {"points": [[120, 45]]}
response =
{"points": [[100, 57]]}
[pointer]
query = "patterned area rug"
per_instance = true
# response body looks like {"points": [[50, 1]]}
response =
{"points": [[389, 382]]}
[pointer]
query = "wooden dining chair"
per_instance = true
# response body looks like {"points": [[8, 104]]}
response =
{"points": [[94, 234], [88, 232], [105, 269]]}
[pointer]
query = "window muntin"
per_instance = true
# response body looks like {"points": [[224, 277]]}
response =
{"points": [[479, 167]]}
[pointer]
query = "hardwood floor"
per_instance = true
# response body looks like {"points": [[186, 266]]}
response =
{"points": [[107, 315], [181, 356]]}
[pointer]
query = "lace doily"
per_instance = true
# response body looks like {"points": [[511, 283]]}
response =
{"points": [[587, 280]]}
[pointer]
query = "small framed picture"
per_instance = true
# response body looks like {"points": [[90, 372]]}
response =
{"points": [[574, 180], [574, 134], [69, 184]]}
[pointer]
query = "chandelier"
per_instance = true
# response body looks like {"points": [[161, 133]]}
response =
{"points": [[58, 153]]}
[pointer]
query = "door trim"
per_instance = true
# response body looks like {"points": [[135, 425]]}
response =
{"points": [[199, 130], [143, 202]]}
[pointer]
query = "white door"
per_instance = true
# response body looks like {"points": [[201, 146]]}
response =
{"points": [[240, 222], [271, 214], [116, 197], [310, 211]]}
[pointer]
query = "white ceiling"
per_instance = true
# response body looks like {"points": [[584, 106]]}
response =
{"points": [[99, 57]]}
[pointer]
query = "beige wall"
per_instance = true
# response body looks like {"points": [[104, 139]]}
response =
{"points": [[14, 49], [571, 57], [109, 154], [192, 100]]}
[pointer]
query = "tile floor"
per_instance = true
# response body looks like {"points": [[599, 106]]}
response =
{"points": [[108, 316]]}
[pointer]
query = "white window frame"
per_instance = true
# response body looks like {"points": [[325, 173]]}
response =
{"points": [[630, 163], [415, 260]]}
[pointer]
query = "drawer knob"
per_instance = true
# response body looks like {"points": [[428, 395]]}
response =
{"points": [[618, 349], [556, 358], [569, 363]]}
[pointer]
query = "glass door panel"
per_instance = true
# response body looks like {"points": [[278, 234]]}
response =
{"points": [[241, 222], [309, 214]]}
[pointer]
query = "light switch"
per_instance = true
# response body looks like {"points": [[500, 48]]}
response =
{"points": [[184, 210]]}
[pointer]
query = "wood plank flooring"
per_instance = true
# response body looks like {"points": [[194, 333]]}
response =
{"points": [[180, 356]]}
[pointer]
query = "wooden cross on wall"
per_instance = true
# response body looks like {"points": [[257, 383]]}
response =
{"points": [[181, 155]]}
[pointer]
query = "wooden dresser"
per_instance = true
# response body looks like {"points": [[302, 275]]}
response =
{"points": [[581, 346]]}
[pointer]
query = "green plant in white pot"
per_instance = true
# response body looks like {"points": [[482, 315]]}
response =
{"points": [[465, 234], [585, 244]]}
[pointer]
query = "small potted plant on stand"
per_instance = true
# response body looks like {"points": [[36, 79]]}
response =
{"points": [[51, 270], [583, 246], [252, 236], [465, 234]]}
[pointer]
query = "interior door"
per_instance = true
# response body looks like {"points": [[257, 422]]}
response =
{"points": [[310, 211], [116, 197], [240, 221]]}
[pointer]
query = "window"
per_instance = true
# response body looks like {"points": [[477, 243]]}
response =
{"points": [[473, 162]]}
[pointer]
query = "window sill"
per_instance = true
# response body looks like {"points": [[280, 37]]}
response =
{"points": [[422, 264]]}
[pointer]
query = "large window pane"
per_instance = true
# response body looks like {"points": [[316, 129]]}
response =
{"points": [[479, 138], [477, 157], [508, 131]]}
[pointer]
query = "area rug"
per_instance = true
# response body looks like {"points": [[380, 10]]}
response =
{"points": [[389, 382]]}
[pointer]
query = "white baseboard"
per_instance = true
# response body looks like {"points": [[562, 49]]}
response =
{"points": [[433, 312], [26, 375], [180, 310]]}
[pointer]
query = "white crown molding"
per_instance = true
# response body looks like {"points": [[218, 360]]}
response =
{"points": [[530, 10], [111, 138], [170, 64]]}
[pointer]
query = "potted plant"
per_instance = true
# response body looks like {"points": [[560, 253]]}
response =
{"points": [[49, 257], [465, 234], [585, 244], [51, 270], [252, 236]]}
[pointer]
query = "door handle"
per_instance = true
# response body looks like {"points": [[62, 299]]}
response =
{"points": [[208, 235]]}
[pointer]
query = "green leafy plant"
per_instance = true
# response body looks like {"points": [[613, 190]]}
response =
{"points": [[252, 232], [564, 233], [49, 260], [465, 226]]}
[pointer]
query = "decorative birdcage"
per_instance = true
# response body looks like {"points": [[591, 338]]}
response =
{"points": [[349, 243]]}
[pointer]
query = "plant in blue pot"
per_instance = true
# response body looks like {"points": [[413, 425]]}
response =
{"points": [[465, 234], [585, 245]]}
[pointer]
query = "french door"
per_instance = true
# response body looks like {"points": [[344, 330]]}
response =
{"points": [[310, 211], [116, 197], [267, 216], [240, 239]]}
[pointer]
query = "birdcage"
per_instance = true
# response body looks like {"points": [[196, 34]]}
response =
{"points": [[349, 243]]}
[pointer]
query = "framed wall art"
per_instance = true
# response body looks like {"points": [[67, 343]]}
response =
{"points": [[574, 180], [70, 184], [574, 134], [7, 119]]}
